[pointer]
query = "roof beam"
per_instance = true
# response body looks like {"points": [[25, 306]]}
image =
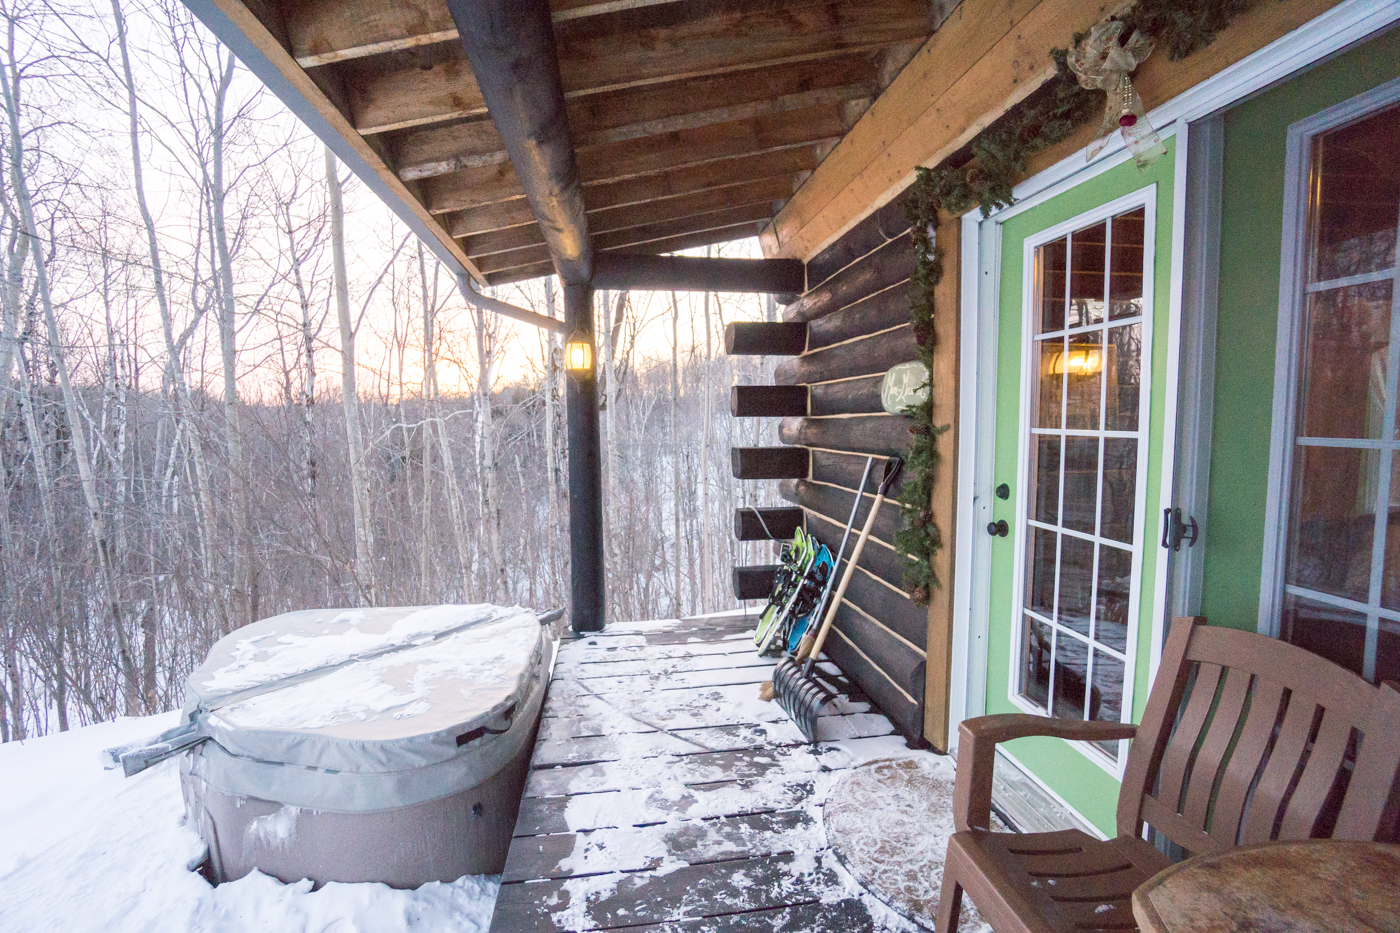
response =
{"points": [[687, 39], [510, 44], [699, 273]]}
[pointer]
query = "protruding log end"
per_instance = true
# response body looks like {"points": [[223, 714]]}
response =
{"points": [[769, 462], [768, 401], [765, 338], [778, 524], [755, 582]]}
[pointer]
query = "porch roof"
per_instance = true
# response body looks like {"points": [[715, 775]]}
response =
{"points": [[693, 121]]}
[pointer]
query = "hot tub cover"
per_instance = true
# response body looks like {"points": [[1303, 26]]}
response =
{"points": [[367, 709]]}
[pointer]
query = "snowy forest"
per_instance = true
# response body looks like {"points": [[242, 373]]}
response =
{"points": [[233, 385]]}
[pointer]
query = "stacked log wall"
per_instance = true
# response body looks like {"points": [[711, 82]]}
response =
{"points": [[857, 314]]}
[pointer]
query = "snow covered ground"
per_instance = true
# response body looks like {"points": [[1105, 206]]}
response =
{"points": [[84, 849]]}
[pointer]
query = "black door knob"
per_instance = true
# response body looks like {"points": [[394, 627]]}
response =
{"points": [[998, 528]]}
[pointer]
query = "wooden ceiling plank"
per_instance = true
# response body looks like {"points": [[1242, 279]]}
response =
{"points": [[684, 226], [654, 154], [471, 187], [762, 192], [708, 176], [653, 110], [741, 231], [699, 37], [320, 32]]}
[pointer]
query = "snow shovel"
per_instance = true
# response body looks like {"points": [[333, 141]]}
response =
{"points": [[800, 694]]}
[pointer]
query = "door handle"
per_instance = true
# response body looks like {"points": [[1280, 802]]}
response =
{"points": [[1177, 528], [998, 529]]}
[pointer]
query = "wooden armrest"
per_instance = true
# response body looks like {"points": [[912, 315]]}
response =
{"points": [[977, 744]]}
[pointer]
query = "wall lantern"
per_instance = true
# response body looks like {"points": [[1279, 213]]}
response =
{"points": [[578, 354]]}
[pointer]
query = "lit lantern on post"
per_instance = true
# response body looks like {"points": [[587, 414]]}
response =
{"points": [[578, 354]]}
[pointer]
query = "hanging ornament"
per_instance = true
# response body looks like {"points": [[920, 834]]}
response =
{"points": [[1104, 61]]}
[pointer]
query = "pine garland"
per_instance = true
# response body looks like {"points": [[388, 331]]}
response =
{"points": [[999, 157]]}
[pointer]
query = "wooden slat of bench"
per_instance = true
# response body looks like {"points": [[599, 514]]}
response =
{"points": [[643, 848], [690, 892]]}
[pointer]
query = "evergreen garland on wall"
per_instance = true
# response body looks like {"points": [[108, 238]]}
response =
{"points": [[999, 156]]}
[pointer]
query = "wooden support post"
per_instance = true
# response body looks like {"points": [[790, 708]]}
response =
{"points": [[768, 401], [769, 462], [779, 524], [698, 274], [585, 472], [765, 338], [754, 582]]}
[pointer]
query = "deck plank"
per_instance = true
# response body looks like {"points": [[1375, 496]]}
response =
{"points": [[664, 795]]}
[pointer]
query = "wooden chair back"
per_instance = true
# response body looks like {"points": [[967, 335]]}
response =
{"points": [[1248, 739]]}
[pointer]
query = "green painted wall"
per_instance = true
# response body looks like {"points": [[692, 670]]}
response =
{"points": [[1085, 785], [1251, 239]]}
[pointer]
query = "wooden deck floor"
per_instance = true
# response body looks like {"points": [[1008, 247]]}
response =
{"points": [[663, 795]]}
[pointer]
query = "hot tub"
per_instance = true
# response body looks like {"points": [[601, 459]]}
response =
{"points": [[382, 745]]}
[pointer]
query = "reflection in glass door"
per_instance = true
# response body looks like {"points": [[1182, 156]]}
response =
{"points": [[1341, 594], [1085, 448]]}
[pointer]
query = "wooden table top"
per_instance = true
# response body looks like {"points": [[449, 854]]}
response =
{"points": [[1318, 886]]}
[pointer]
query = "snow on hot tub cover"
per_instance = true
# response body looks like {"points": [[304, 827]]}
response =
{"points": [[368, 709]]}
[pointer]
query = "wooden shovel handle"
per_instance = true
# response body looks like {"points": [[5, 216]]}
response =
{"points": [[845, 580]]}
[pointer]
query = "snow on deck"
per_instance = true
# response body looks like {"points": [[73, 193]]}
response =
{"points": [[663, 794]]}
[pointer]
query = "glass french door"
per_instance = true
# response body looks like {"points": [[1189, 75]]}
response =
{"points": [[1084, 442], [1341, 574]]}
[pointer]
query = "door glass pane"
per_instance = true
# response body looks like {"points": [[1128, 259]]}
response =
{"points": [[1345, 352], [1105, 698], [1051, 382], [1333, 520], [1071, 676], [1114, 585], [1336, 633], [1124, 369], [1046, 475], [1356, 197], [1076, 583], [1125, 283], [1083, 368], [1078, 587], [1040, 583], [1086, 279], [1035, 671], [1052, 268], [1081, 482], [1119, 488]]}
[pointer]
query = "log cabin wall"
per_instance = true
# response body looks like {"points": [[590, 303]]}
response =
{"points": [[857, 313]]}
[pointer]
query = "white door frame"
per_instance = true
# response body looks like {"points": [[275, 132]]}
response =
{"points": [[1346, 24]]}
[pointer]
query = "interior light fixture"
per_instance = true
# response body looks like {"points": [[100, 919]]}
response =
{"points": [[1079, 361]]}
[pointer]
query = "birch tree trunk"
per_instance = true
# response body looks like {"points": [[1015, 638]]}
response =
{"points": [[359, 491], [11, 89], [244, 575], [486, 455], [676, 445], [425, 565], [706, 542]]}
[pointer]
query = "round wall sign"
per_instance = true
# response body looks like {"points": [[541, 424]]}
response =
{"points": [[904, 385]]}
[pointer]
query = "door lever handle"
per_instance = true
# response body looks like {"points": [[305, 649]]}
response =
{"points": [[1177, 528]]}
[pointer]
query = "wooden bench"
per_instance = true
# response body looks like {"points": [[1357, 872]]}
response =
{"points": [[1245, 739]]}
